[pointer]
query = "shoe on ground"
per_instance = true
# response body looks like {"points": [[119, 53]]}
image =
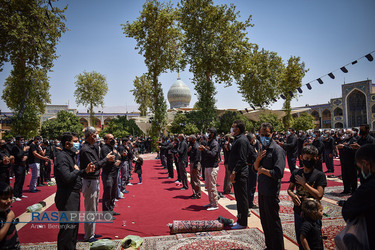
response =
{"points": [[18, 199], [97, 235], [23, 196], [212, 208], [115, 213], [254, 206], [93, 239], [195, 197], [116, 199], [169, 177], [238, 226], [130, 184], [176, 181], [182, 188], [139, 183], [208, 205], [125, 192]]}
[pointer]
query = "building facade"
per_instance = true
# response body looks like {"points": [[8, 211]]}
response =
{"points": [[355, 107]]}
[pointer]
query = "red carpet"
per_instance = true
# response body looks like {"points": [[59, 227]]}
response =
{"points": [[145, 211]]}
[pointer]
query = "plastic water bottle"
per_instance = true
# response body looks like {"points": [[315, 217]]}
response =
{"points": [[34, 208]]}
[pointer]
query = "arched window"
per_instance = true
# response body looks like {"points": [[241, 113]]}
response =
{"points": [[84, 122], [337, 112], [339, 125], [326, 118], [356, 106]]}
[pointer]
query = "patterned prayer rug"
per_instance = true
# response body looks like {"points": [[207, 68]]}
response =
{"points": [[52, 246], [330, 228], [286, 208], [192, 226], [334, 193], [251, 238]]}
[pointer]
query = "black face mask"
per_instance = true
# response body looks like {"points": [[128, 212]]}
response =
{"points": [[309, 164], [363, 132], [112, 142]]}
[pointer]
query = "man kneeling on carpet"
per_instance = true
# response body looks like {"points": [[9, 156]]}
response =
{"points": [[309, 183]]}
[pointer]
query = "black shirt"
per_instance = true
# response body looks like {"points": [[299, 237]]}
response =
{"points": [[313, 233], [32, 158], [291, 146], [67, 177], [109, 167], [315, 179], [368, 139], [90, 153], [195, 154], [10, 240], [275, 162], [238, 154], [18, 154], [182, 151], [211, 155]]}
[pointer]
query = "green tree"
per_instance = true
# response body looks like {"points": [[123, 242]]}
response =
{"points": [[226, 120], [181, 124], [121, 127], [29, 33], [143, 93], [259, 80], [91, 88], [291, 80], [214, 41], [158, 40], [304, 122], [64, 122], [270, 118]]}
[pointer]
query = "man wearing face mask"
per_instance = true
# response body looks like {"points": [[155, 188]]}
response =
{"points": [[329, 145], [270, 165], [347, 161], [35, 155], [362, 201], [309, 184], [69, 183], [211, 155], [109, 174], [364, 137], [237, 165], [90, 182], [20, 156]]}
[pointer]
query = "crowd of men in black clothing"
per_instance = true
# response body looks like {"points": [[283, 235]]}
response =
{"points": [[261, 157]]}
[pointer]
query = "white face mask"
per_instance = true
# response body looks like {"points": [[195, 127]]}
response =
{"points": [[96, 138]]}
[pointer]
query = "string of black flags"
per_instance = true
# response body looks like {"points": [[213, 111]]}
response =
{"points": [[344, 69]]}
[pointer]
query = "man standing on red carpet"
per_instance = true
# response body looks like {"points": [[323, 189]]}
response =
{"points": [[182, 152], [211, 154], [270, 165], [237, 165], [195, 167], [90, 182]]}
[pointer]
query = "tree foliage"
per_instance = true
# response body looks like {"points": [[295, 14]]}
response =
{"points": [[183, 125], [226, 120], [29, 33], [304, 122], [158, 40], [214, 42], [259, 81], [64, 122], [270, 118], [292, 79], [121, 127], [91, 88], [143, 93]]}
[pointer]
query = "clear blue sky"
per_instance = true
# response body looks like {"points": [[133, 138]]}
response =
{"points": [[325, 34]]}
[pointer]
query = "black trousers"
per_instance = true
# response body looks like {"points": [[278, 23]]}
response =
{"points": [[251, 186], [19, 172], [47, 172], [170, 166], [4, 174], [67, 237], [271, 223], [109, 191], [240, 191], [349, 176]]}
